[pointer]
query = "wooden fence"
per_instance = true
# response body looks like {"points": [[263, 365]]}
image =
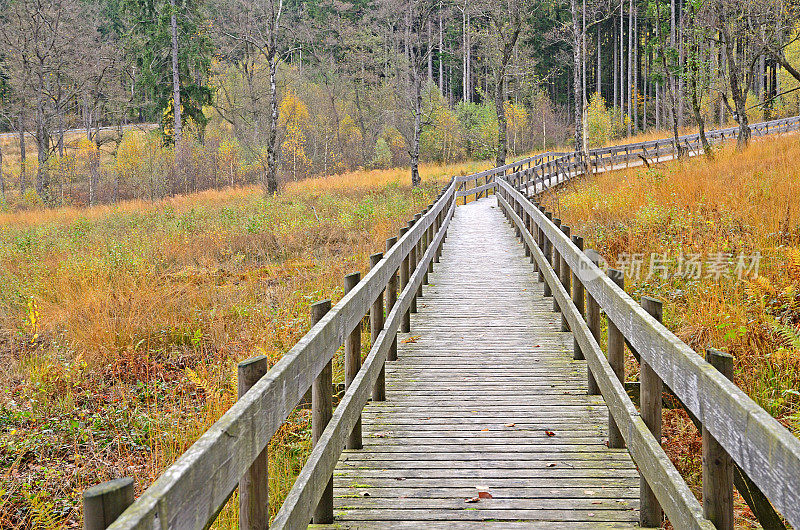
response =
{"points": [[233, 452], [559, 168]]}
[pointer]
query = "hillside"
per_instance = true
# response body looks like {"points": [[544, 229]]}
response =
{"points": [[656, 223]]}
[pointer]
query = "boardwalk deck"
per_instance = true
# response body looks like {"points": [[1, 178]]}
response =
{"points": [[482, 379]]}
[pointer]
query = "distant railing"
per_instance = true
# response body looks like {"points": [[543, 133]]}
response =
{"points": [[557, 170], [232, 453]]}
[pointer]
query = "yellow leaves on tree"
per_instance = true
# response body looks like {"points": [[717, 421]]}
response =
{"points": [[440, 140], [294, 118], [517, 120], [228, 159]]}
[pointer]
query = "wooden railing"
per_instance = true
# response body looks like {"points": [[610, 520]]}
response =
{"points": [[559, 169], [742, 443], [484, 180], [232, 453]]}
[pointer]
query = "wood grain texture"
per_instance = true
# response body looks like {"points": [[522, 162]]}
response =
{"points": [[481, 379]]}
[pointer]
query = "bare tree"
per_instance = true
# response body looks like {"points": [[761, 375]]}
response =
{"points": [[250, 30], [507, 22]]}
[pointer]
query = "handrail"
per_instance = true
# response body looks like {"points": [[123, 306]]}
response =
{"points": [[308, 488], [762, 448], [682, 508], [605, 158], [190, 493]]}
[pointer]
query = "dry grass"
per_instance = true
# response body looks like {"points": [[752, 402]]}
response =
{"points": [[739, 203], [121, 326]]}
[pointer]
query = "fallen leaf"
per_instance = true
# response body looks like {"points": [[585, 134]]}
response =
{"points": [[473, 499], [484, 495], [549, 433], [510, 424], [597, 502], [381, 434], [410, 340], [484, 430]]}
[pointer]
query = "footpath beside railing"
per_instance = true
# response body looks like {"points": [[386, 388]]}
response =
{"points": [[742, 444], [233, 452]]}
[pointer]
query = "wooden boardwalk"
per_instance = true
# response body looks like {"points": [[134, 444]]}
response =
{"points": [[485, 396]]}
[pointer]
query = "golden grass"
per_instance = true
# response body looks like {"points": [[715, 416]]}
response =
{"points": [[739, 203], [121, 326]]}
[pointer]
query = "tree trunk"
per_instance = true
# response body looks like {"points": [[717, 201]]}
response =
{"points": [[416, 180], [176, 79], [622, 61], [616, 64], [738, 92], [23, 184], [441, 54], [271, 187], [599, 81], [576, 77], [629, 95]]}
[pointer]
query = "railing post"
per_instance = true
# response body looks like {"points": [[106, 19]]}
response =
{"points": [[321, 413], [104, 503], [577, 297], [616, 358], [717, 463], [437, 226], [564, 276], [431, 234], [391, 299], [254, 484], [526, 222], [547, 256], [352, 360], [418, 257], [405, 272], [650, 396], [375, 327], [412, 266], [555, 262], [593, 323]]}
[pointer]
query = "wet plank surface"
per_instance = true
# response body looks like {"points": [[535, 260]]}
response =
{"points": [[485, 396]]}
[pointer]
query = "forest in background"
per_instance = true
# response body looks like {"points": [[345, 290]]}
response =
{"points": [[274, 90]]}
